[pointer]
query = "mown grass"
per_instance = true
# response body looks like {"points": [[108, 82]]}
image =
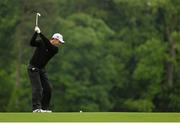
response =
{"points": [[90, 117]]}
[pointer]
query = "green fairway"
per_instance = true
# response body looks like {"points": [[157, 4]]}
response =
{"points": [[90, 117]]}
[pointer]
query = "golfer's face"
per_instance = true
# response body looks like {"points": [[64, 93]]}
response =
{"points": [[55, 42]]}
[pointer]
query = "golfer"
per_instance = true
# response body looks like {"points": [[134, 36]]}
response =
{"points": [[41, 87]]}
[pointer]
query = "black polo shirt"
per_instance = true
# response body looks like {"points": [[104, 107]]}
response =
{"points": [[44, 51]]}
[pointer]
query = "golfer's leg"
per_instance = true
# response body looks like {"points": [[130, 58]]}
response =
{"points": [[47, 90], [36, 87]]}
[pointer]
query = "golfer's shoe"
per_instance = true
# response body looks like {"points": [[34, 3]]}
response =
{"points": [[48, 111], [37, 110], [41, 111]]}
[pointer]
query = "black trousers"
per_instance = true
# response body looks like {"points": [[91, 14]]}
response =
{"points": [[41, 88]]}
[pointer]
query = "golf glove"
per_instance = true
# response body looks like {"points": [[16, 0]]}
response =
{"points": [[37, 29]]}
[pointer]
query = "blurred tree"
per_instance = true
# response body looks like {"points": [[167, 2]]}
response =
{"points": [[78, 69]]}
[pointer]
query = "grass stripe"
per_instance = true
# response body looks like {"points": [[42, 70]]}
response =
{"points": [[90, 117]]}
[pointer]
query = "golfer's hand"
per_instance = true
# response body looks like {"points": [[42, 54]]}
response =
{"points": [[37, 29]]}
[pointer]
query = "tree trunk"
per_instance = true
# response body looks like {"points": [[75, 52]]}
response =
{"points": [[172, 54]]}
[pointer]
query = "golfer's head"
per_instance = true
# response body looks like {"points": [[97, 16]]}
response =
{"points": [[57, 39]]}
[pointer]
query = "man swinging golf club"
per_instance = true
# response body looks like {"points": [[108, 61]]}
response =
{"points": [[45, 50]]}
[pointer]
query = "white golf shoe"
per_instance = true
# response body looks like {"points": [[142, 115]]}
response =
{"points": [[42, 111], [48, 111], [37, 110]]}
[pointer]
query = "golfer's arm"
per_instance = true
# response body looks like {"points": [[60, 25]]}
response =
{"points": [[33, 41]]}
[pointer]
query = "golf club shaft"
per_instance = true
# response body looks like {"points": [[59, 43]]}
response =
{"points": [[37, 16], [36, 19]]}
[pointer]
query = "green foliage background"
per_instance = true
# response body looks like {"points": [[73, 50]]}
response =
{"points": [[119, 55]]}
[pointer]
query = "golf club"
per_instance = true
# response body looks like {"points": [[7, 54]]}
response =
{"points": [[37, 15]]}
